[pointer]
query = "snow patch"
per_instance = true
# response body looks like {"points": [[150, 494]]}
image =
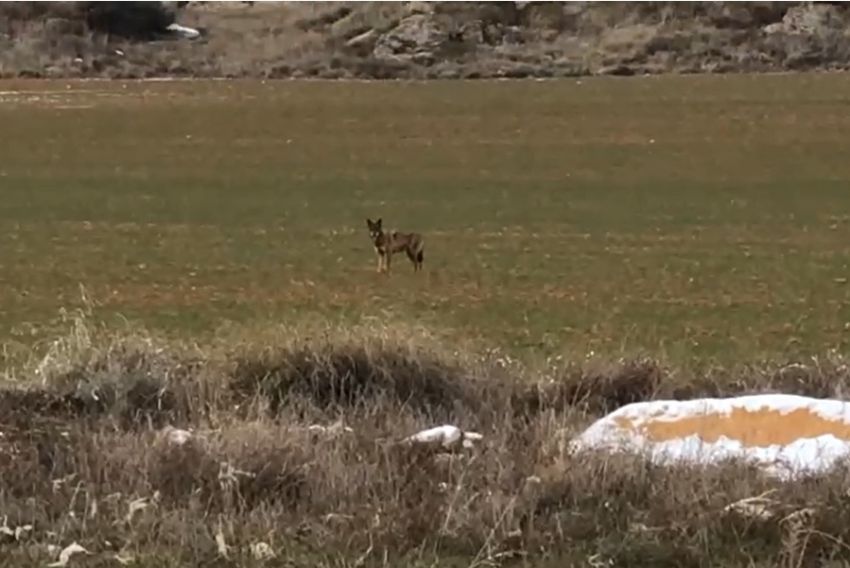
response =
{"points": [[786, 435], [184, 31], [447, 436]]}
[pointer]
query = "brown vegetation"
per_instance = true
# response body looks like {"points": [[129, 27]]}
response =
{"points": [[86, 457]]}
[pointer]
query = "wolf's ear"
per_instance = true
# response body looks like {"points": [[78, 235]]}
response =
{"points": [[378, 222], [368, 222]]}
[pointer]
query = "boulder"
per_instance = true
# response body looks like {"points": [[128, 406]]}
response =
{"points": [[417, 38], [785, 435]]}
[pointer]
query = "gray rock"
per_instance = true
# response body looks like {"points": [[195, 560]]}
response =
{"points": [[419, 8], [809, 19], [810, 35], [417, 38]]}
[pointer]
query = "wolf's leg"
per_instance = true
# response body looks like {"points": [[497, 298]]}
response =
{"points": [[412, 256]]}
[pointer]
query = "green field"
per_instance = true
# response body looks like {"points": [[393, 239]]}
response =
{"points": [[687, 218]]}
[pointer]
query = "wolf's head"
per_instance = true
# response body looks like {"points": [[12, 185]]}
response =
{"points": [[375, 230]]}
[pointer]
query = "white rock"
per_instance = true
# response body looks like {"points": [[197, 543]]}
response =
{"points": [[221, 544], [335, 428], [67, 553], [17, 533], [135, 506], [124, 559], [446, 436], [176, 436], [759, 507], [786, 435], [262, 551]]}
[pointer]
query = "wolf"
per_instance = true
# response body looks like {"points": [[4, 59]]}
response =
{"points": [[388, 243]]}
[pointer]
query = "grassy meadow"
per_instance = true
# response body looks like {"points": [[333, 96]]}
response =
{"points": [[687, 218], [195, 254]]}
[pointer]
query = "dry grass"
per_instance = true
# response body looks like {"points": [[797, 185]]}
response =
{"points": [[86, 457]]}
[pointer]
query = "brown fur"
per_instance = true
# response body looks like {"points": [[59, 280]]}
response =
{"points": [[388, 243]]}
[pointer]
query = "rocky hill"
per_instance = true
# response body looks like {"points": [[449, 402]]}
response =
{"points": [[419, 39]]}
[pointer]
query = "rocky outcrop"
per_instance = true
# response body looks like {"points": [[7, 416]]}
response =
{"points": [[482, 39], [438, 39], [417, 38], [810, 35]]}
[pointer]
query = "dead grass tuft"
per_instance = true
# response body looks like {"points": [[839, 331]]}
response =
{"points": [[351, 376], [297, 445], [594, 390]]}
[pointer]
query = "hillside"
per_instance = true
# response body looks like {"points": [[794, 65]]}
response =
{"points": [[426, 39]]}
